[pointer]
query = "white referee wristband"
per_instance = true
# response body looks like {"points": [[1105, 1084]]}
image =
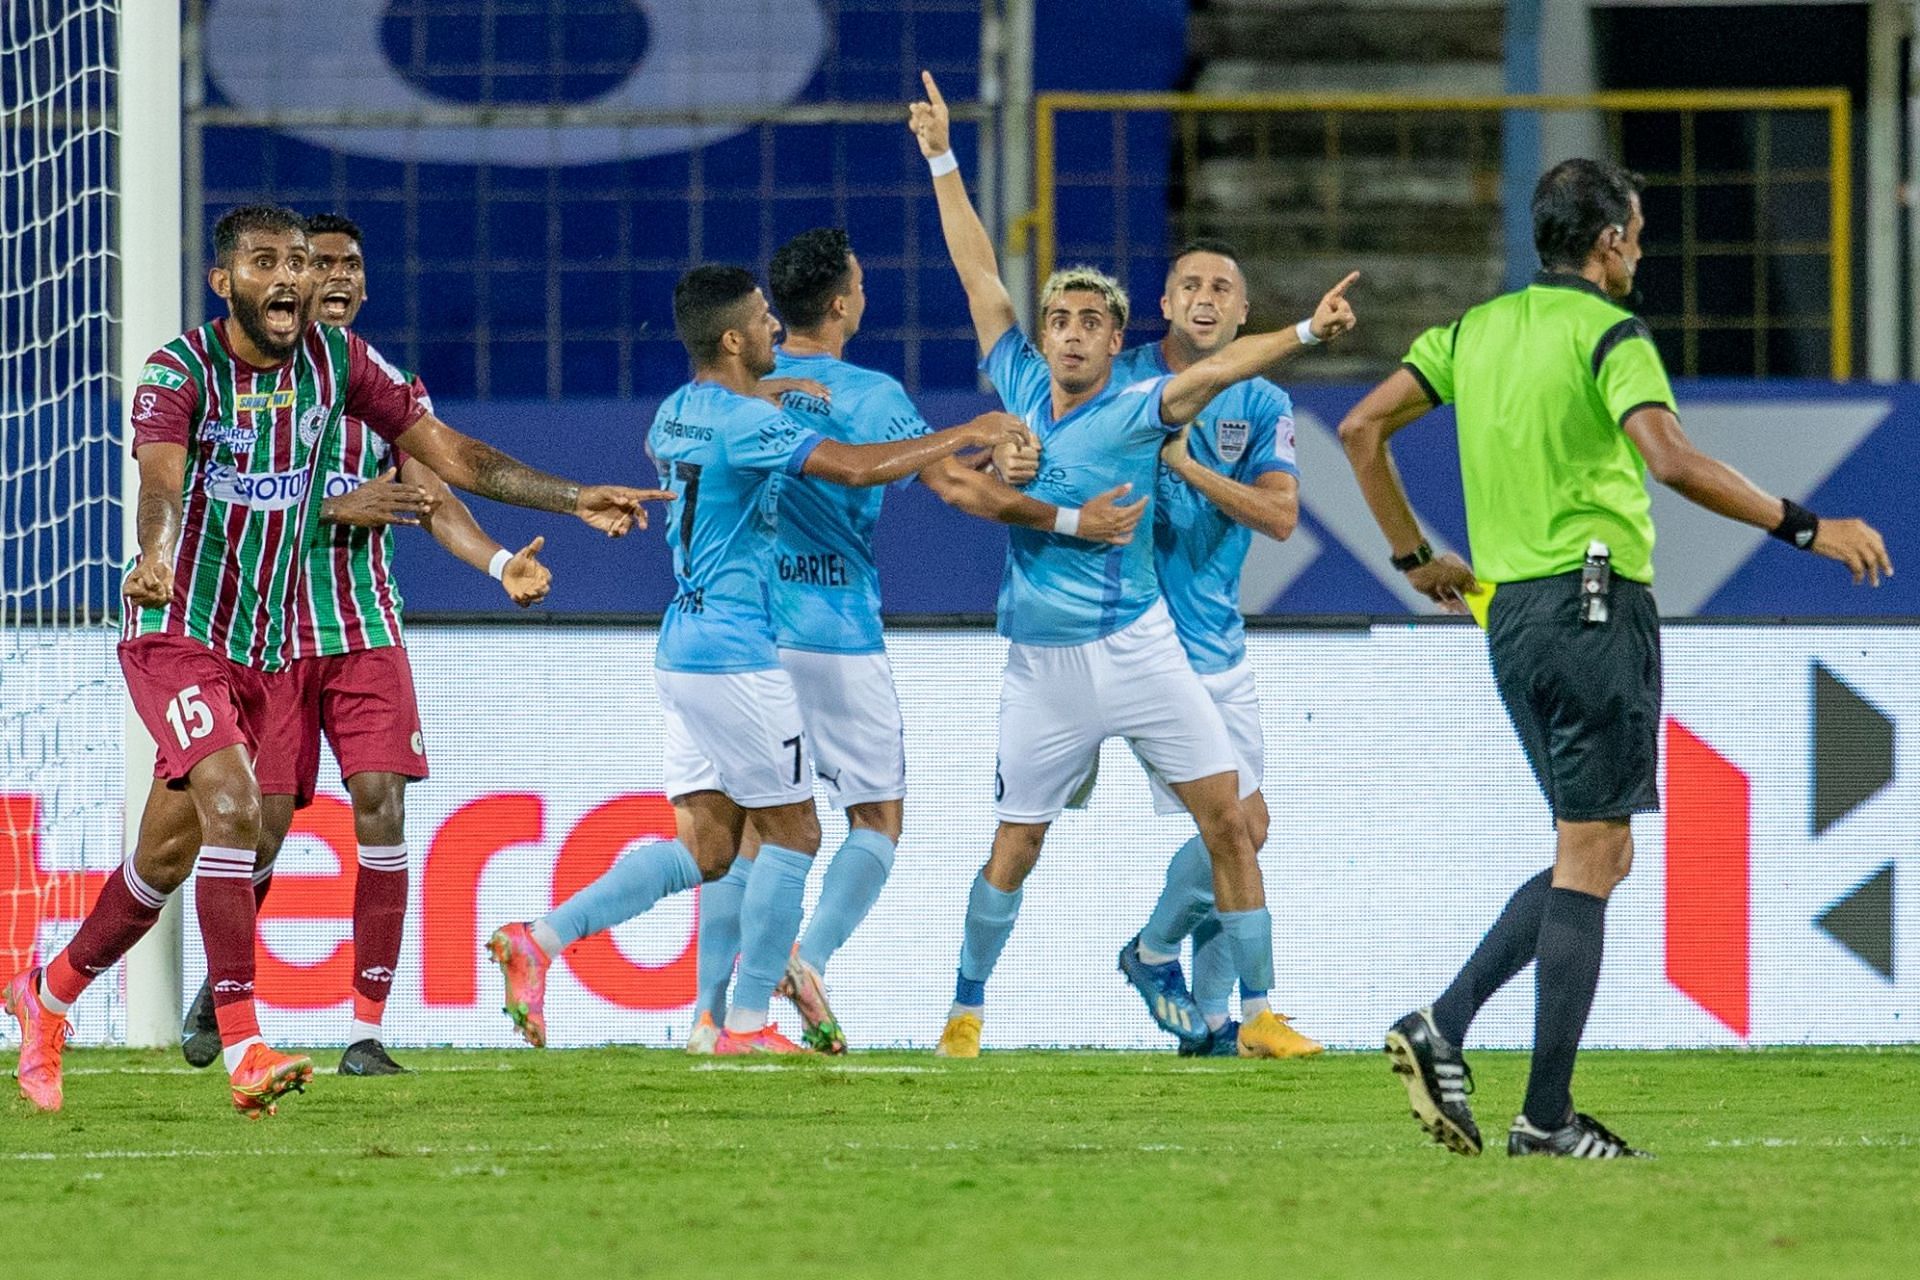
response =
{"points": [[1308, 338], [942, 163], [498, 565], [1066, 520]]}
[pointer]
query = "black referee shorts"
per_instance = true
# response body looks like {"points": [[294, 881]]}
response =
{"points": [[1584, 697]]}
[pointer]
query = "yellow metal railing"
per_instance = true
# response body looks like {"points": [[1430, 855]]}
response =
{"points": [[1694, 318]]}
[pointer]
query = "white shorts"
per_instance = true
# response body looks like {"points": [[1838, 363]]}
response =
{"points": [[853, 723], [1234, 692], [736, 732], [1058, 704]]}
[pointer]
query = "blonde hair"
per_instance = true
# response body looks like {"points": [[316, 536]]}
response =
{"points": [[1089, 280]]}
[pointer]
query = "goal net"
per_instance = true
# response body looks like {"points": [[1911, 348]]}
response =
{"points": [[62, 754]]}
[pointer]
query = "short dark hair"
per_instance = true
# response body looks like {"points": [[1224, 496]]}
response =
{"points": [[1204, 244], [238, 221], [705, 303], [335, 224], [1572, 203], [808, 272]]}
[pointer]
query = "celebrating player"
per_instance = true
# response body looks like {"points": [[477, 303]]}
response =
{"points": [[735, 739], [826, 613], [1562, 408], [228, 419], [1230, 474], [1094, 653], [350, 675]]}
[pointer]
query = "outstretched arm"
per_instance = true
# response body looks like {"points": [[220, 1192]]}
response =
{"points": [[967, 241], [452, 524], [1706, 481], [1364, 434], [469, 464], [1193, 388], [860, 466], [163, 473]]}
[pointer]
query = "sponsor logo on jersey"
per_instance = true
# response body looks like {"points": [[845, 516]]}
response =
{"points": [[419, 747], [312, 422], [145, 406], [263, 491], [159, 375], [1232, 436], [264, 401], [232, 435], [339, 484]]}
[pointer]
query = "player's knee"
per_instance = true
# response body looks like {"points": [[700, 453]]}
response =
{"points": [[883, 817], [229, 806], [379, 808], [1016, 850]]}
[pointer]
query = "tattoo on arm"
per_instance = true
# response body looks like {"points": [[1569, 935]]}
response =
{"points": [[497, 476]]}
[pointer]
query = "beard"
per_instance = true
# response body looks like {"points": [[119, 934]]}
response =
{"points": [[251, 317]]}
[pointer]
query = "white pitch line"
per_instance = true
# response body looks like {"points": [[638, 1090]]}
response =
{"points": [[200, 1071], [371, 1151]]}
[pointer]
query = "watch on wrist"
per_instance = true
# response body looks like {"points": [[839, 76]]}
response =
{"points": [[1422, 554]]}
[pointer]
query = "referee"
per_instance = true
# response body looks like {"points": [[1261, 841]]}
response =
{"points": [[1562, 408]]}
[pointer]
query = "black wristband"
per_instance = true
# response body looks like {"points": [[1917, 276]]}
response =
{"points": [[1798, 527], [1422, 554]]}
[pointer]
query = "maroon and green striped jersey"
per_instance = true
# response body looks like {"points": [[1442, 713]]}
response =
{"points": [[252, 438], [347, 599]]}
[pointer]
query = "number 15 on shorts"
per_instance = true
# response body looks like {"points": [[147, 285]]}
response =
{"points": [[189, 715]]}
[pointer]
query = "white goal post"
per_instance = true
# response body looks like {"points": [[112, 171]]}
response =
{"points": [[151, 255]]}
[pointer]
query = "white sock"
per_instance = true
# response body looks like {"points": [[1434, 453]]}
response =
{"points": [[1155, 957], [977, 1010], [1251, 1009], [1215, 1021], [46, 998], [740, 1021], [544, 935], [232, 1053], [363, 1031]]}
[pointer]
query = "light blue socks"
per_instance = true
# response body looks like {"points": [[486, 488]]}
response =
{"points": [[629, 888], [990, 916], [1250, 939], [770, 914], [720, 937], [1213, 972], [1186, 900], [854, 879]]}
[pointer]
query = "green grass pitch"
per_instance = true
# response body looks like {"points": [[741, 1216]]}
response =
{"points": [[633, 1163]]}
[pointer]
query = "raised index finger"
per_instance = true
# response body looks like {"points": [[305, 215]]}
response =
{"points": [[1340, 290], [933, 90]]}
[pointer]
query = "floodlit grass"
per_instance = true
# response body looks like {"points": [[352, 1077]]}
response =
{"points": [[626, 1162]]}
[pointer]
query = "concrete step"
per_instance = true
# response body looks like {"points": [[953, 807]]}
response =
{"points": [[1349, 33], [1454, 78]]}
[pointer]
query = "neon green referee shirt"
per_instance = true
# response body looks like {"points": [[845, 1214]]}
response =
{"points": [[1541, 381]]}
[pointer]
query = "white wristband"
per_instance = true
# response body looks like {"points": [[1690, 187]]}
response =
{"points": [[498, 566], [1307, 336], [1066, 520], [942, 163]]}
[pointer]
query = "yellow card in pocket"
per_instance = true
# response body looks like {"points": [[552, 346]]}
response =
{"points": [[1478, 600]]}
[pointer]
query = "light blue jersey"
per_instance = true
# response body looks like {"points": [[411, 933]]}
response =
{"points": [[826, 590], [1198, 549], [724, 456], [1060, 590]]}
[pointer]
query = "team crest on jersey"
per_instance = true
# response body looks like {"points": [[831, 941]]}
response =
{"points": [[1232, 438], [312, 422]]}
